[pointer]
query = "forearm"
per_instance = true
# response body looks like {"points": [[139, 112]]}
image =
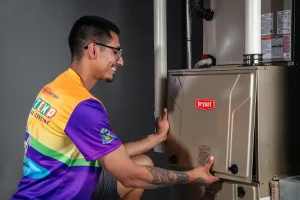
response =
{"points": [[141, 146], [119, 164], [153, 177]]}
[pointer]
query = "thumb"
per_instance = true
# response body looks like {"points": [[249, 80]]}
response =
{"points": [[210, 162], [165, 115], [158, 119]]}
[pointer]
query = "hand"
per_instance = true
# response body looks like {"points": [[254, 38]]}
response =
{"points": [[162, 127], [201, 174]]}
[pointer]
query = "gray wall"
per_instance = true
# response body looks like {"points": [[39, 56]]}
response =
{"points": [[33, 51]]}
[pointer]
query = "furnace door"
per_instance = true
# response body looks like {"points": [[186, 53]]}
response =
{"points": [[213, 113]]}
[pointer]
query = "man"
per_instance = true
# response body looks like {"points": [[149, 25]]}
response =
{"points": [[71, 150]]}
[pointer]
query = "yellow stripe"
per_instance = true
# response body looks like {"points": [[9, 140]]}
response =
{"points": [[60, 157]]}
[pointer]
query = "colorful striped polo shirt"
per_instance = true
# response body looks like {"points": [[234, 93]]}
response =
{"points": [[67, 131]]}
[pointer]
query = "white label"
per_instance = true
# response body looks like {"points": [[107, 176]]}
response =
{"points": [[266, 47], [284, 22], [267, 24], [287, 46], [203, 154], [277, 47], [265, 198]]}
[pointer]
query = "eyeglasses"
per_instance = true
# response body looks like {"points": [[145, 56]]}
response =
{"points": [[119, 49]]}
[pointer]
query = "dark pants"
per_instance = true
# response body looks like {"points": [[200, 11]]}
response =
{"points": [[106, 188]]}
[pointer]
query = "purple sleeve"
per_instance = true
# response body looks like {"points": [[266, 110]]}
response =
{"points": [[89, 129]]}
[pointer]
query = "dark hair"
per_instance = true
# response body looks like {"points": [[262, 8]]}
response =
{"points": [[89, 29]]}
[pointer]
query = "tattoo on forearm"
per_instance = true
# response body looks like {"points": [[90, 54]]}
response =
{"points": [[163, 178], [201, 181]]}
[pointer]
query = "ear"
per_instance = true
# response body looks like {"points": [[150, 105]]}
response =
{"points": [[92, 53]]}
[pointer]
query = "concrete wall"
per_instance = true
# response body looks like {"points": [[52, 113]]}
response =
{"points": [[34, 50]]}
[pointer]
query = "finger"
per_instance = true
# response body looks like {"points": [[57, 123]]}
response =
{"points": [[215, 179], [210, 162], [165, 115]]}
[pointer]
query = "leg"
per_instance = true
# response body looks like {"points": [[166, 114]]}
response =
{"points": [[134, 193]]}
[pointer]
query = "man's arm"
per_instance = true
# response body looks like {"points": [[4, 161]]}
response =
{"points": [[144, 145], [119, 164]]}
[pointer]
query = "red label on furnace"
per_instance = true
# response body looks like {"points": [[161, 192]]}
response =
{"points": [[205, 104]]}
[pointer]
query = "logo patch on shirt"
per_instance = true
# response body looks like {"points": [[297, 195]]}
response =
{"points": [[106, 136], [43, 111], [44, 108]]}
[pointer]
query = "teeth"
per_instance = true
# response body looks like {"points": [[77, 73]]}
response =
{"points": [[114, 69]]}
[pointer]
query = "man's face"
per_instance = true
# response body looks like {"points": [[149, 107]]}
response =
{"points": [[108, 60]]}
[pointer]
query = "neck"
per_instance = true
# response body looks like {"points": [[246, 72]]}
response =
{"points": [[85, 74]]}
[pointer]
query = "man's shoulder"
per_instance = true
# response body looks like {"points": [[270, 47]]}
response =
{"points": [[69, 96], [67, 92], [58, 105]]}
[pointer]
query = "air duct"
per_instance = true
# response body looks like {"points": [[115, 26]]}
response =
{"points": [[253, 54], [252, 26], [188, 34], [160, 59]]}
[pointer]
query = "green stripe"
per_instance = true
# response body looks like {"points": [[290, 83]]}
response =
{"points": [[59, 156], [82, 162]]}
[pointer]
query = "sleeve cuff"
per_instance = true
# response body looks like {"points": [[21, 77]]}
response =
{"points": [[103, 153]]}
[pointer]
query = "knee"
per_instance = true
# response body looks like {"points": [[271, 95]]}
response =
{"points": [[143, 159]]}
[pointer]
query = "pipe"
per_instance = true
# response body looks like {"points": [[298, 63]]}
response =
{"points": [[188, 35], [253, 27], [160, 59]]}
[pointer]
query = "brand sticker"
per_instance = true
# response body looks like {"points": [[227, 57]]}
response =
{"points": [[106, 136], [205, 104]]}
